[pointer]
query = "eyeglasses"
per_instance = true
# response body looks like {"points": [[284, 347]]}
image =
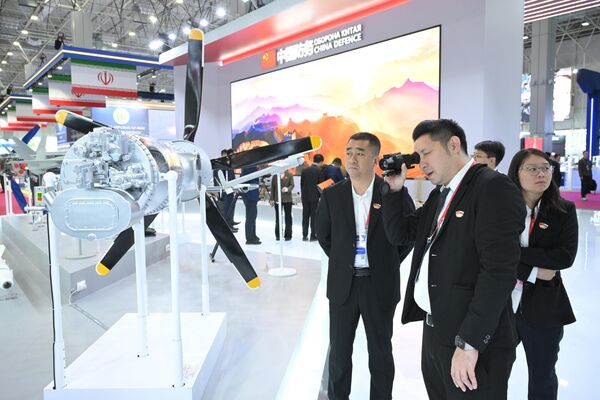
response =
{"points": [[533, 170]]}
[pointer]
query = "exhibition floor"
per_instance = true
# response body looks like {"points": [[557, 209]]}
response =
{"points": [[264, 325]]}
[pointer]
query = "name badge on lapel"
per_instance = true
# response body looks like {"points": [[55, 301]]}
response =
{"points": [[543, 225], [459, 214]]}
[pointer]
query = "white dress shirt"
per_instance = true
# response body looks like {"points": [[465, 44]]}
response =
{"points": [[362, 206], [517, 292], [421, 283]]}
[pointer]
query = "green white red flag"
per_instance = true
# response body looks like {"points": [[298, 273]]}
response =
{"points": [[61, 94], [25, 113], [40, 102], [103, 78]]}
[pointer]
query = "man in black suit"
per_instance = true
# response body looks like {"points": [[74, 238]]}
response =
{"points": [[463, 271], [309, 179], [363, 278]]}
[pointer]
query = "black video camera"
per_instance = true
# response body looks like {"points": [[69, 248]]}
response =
{"points": [[391, 164]]}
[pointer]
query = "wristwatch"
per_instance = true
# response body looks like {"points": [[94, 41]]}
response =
{"points": [[461, 344]]}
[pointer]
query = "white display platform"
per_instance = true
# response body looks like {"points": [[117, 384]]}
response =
{"points": [[110, 368]]}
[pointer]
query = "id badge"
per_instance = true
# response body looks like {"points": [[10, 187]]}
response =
{"points": [[360, 258]]}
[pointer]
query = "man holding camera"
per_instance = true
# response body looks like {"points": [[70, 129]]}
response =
{"points": [[463, 271], [363, 278]]}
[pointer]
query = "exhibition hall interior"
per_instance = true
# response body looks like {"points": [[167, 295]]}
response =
{"points": [[183, 194]]}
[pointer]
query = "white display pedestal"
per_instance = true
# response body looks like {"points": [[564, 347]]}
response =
{"points": [[110, 368]]}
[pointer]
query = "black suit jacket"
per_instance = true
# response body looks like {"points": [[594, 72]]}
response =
{"points": [[552, 245], [309, 179], [336, 232], [473, 261]]}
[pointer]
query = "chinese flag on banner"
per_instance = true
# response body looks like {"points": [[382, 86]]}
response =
{"points": [[268, 59]]}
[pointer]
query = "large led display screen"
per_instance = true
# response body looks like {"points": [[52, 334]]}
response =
{"points": [[385, 88]]}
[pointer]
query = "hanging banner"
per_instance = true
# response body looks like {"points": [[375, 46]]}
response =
{"points": [[130, 120], [25, 113], [10, 123], [40, 102], [109, 79], [60, 93]]}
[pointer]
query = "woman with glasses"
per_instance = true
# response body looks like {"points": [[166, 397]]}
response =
{"points": [[548, 245]]}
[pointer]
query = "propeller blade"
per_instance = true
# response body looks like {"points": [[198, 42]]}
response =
{"points": [[193, 84], [225, 238], [16, 189], [120, 246], [77, 122], [29, 135], [267, 154]]}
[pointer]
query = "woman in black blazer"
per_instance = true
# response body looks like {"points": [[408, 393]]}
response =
{"points": [[548, 245]]}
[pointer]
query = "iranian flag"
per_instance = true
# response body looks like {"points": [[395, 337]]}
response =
{"points": [[25, 113], [60, 93], [40, 103], [108, 79], [10, 123]]}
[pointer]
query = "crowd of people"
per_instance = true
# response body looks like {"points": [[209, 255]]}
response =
{"points": [[485, 276]]}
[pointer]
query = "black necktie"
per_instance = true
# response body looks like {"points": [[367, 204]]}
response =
{"points": [[440, 206]]}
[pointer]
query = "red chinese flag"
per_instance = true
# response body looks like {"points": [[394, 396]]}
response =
{"points": [[268, 59]]}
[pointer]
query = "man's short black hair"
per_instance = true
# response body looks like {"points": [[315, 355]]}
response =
{"points": [[337, 161], [372, 139], [492, 148], [441, 130], [317, 158]]}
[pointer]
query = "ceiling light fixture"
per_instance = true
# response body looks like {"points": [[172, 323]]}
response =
{"points": [[24, 32], [220, 12], [153, 19], [203, 22], [4, 62], [585, 23], [172, 36], [10, 53], [49, 76], [131, 33], [0, 69], [34, 17], [179, 1], [115, 45], [59, 68], [155, 44], [525, 37], [186, 30], [15, 43]]}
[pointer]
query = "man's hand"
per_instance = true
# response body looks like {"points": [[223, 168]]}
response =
{"points": [[396, 182], [271, 203], [545, 274], [284, 190], [462, 369]]}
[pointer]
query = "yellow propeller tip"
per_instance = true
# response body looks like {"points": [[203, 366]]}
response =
{"points": [[102, 270], [316, 142], [196, 34], [61, 116], [254, 283]]}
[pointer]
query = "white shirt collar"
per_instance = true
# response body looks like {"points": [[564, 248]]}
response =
{"points": [[368, 192], [459, 176]]}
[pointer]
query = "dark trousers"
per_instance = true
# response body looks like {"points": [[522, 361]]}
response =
{"points": [[251, 212], [378, 322], [541, 350], [287, 218], [492, 371], [586, 185], [229, 208], [309, 212]]}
